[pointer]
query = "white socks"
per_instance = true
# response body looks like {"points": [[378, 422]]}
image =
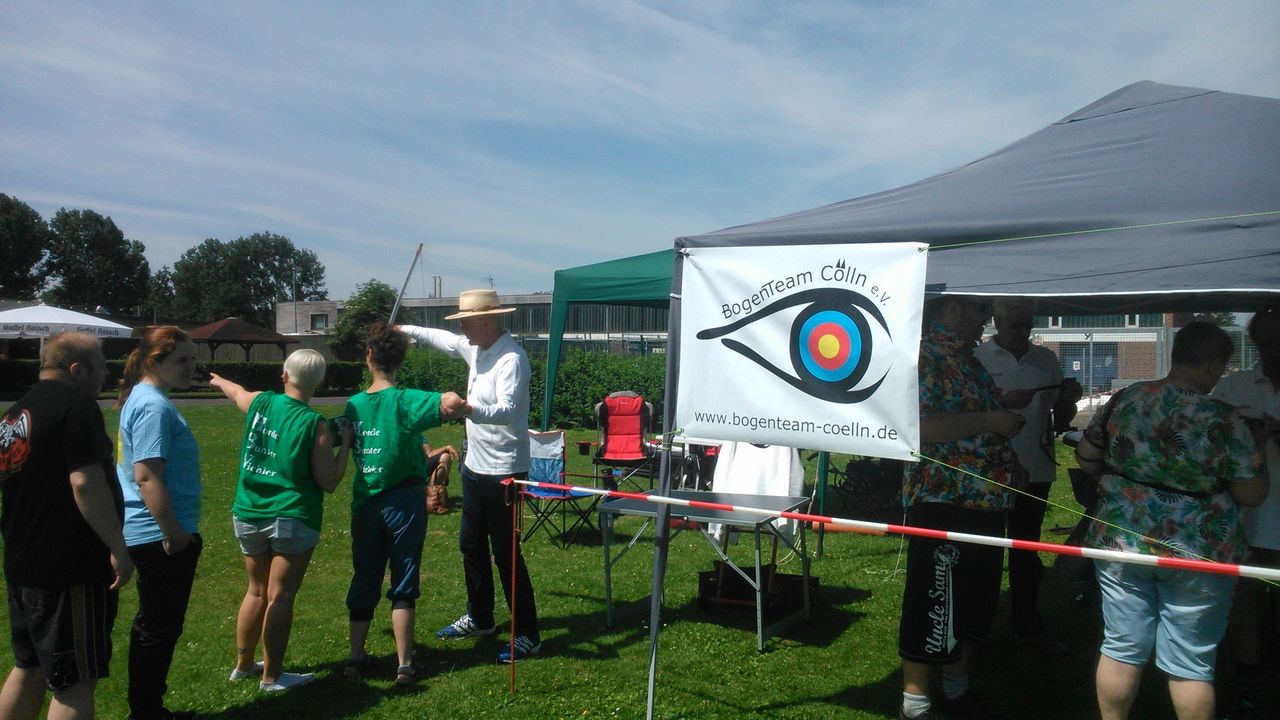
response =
{"points": [[914, 705]]}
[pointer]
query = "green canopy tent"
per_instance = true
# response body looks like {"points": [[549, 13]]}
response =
{"points": [[643, 280]]}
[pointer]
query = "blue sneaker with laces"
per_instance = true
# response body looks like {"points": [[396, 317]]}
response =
{"points": [[463, 627], [526, 646]]}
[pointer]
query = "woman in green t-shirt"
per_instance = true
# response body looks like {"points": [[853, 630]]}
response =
{"points": [[287, 463], [388, 496]]}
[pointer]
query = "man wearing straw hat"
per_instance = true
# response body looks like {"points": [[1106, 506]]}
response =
{"points": [[497, 448]]}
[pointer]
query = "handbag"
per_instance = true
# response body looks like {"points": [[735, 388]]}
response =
{"points": [[437, 498], [438, 491]]}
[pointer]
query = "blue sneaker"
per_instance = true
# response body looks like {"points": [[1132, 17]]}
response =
{"points": [[526, 646], [463, 627]]}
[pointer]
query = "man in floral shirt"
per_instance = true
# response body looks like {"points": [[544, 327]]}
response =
{"points": [[1174, 466], [952, 588]]}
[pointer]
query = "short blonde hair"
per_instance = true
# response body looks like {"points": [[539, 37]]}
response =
{"points": [[306, 369]]}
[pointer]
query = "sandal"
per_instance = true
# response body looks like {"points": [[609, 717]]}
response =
{"points": [[406, 675], [353, 668]]}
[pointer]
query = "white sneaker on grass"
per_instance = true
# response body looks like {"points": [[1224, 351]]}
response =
{"points": [[463, 627], [246, 674], [287, 681]]}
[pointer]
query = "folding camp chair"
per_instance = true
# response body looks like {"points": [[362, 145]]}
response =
{"points": [[623, 455], [560, 513]]}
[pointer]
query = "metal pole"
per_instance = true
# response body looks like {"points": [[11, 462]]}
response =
{"points": [[1089, 370], [820, 493], [396, 308]]}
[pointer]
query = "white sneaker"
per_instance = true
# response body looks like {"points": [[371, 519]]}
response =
{"points": [[287, 681], [463, 627], [246, 674]]}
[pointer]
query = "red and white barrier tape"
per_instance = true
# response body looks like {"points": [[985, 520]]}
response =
{"points": [[875, 528]]}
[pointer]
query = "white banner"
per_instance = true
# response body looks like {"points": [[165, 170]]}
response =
{"points": [[808, 346]]}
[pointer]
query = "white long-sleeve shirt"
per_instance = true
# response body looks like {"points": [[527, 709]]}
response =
{"points": [[1038, 367], [498, 392], [1253, 395]]}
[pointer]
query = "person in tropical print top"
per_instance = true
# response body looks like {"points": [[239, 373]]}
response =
{"points": [[1174, 465], [952, 588]]}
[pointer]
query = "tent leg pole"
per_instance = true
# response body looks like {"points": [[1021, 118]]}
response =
{"points": [[821, 493], [662, 536]]}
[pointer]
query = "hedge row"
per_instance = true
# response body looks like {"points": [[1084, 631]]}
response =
{"points": [[339, 378], [584, 379], [18, 375]]}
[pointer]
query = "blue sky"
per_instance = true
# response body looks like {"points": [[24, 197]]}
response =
{"points": [[518, 138]]}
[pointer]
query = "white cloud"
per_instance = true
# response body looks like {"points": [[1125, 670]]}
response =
{"points": [[516, 138]]}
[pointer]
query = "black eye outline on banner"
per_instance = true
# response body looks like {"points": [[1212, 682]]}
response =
{"points": [[826, 303]]}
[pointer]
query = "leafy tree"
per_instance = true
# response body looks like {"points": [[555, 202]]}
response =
{"points": [[90, 262], [371, 302], [1182, 318], [244, 278], [163, 302], [1223, 319], [23, 237]]}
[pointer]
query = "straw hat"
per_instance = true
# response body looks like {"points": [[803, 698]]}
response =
{"points": [[472, 303]]}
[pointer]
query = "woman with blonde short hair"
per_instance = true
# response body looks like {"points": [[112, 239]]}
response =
{"points": [[287, 464]]}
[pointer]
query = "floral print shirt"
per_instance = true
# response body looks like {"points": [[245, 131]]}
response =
{"points": [[953, 381], [1164, 435]]}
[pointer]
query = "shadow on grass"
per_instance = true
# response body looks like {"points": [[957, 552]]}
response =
{"points": [[585, 635], [583, 537], [883, 697], [338, 696]]}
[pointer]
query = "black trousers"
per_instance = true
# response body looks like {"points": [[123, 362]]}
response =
{"points": [[951, 588], [1025, 569], [486, 526], [164, 589]]}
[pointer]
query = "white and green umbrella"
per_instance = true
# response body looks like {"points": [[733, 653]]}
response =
{"points": [[42, 321]]}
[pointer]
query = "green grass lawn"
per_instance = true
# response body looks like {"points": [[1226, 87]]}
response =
{"points": [[842, 664]]}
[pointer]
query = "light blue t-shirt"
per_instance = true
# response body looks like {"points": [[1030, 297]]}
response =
{"points": [[151, 427]]}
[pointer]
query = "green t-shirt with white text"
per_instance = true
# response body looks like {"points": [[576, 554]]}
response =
{"points": [[388, 428], [275, 462]]}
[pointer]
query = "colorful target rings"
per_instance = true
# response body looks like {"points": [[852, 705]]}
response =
{"points": [[830, 345]]}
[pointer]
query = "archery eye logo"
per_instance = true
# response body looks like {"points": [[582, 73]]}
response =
{"points": [[831, 344]]}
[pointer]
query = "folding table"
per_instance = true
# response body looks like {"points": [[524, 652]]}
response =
{"points": [[755, 524]]}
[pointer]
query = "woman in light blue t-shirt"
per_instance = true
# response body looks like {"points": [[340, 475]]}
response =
{"points": [[159, 474]]}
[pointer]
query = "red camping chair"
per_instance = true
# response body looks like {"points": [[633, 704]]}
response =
{"points": [[624, 418], [560, 513]]}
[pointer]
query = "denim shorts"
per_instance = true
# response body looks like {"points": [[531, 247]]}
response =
{"points": [[1180, 613], [282, 536]]}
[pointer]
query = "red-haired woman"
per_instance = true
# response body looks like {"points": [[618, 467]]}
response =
{"points": [[159, 472]]}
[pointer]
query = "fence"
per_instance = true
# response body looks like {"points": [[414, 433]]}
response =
{"points": [[1106, 359]]}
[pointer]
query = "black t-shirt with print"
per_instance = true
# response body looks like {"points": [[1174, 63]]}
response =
{"points": [[51, 431]]}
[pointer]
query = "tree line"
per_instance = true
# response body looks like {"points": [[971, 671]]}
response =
{"points": [[81, 259]]}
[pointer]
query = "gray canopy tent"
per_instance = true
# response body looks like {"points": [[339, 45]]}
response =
{"points": [[1153, 198]]}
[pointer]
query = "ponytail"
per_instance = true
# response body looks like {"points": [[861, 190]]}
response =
{"points": [[156, 344], [132, 374]]}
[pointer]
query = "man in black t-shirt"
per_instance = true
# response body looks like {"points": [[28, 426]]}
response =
{"points": [[64, 553]]}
